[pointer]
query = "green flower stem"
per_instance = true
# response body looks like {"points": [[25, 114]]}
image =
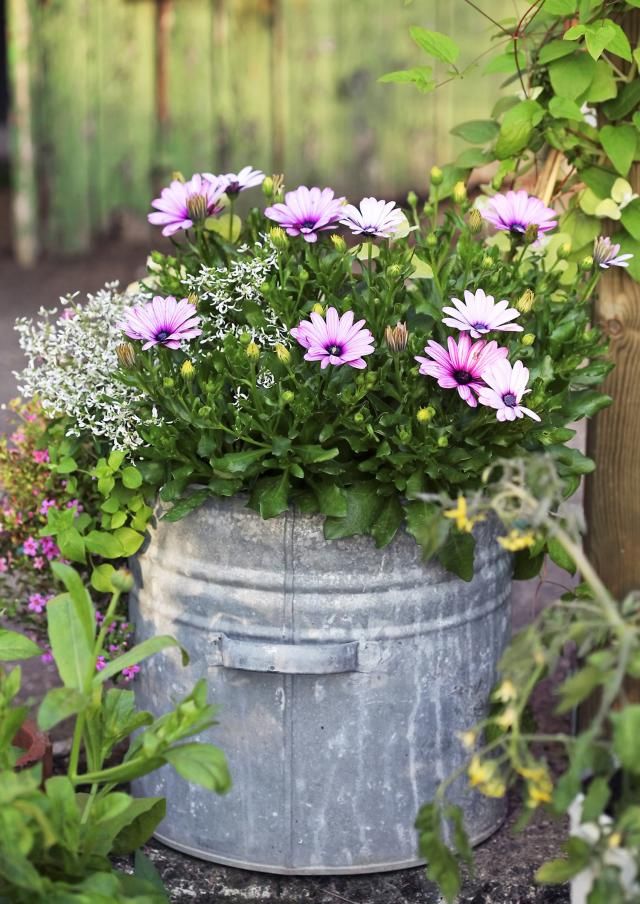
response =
{"points": [[232, 202]]}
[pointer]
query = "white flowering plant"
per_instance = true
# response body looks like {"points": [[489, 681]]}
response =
{"points": [[344, 359]]}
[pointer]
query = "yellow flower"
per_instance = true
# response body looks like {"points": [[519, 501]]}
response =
{"points": [[424, 415], [278, 238], [506, 692], [615, 840], [517, 540], [282, 353], [494, 788], [507, 718], [539, 784], [479, 773], [338, 243], [187, 370], [252, 351], [468, 738], [318, 309], [460, 515]]}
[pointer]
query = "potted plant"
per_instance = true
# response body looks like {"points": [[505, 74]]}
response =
{"points": [[296, 381]]}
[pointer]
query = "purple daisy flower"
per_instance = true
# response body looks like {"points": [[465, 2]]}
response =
{"points": [[307, 211], [372, 218], [163, 321], [338, 340], [234, 183], [606, 254], [183, 204], [516, 210], [504, 390], [462, 366], [480, 314]]}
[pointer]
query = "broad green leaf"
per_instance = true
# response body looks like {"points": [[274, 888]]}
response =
{"points": [[560, 556], [103, 544], [626, 731], [554, 50], [435, 44], [223, 226], [563, 108], [143, 816], [631, 218], [578, 687], [201, 764], [238, 462], [144, 869], [599, 180], [271, 495], [59, 703], [585, 404], [618, 42], [426, 524], [84, 609], [136, 655], [16, 646], [477, 131], [131, 478], [607, 208], [331, 498], [130, 540], [419, 76], [101, 578], [628, 99], [598, 36], [421, 269], [506, 63], [186, 505], [457, 553], [572, 75], [71, 643], [603, 85], [619, 142], [363, 507], [66, 466], [517, 127], [526, 566], [388, 521], [472, 157], [115, 459], [596, 799], [71, 544], [560, 7]]}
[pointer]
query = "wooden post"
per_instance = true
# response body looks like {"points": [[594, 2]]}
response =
{"points": [[612, 498], [23, 163]]}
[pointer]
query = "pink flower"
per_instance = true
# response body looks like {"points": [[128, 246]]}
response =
{"points": [[38, 563], [75, 504], [130, 672], [163, 321], [30, 547], [46, 505], [373, 218], [3, 565], [67, 314], [505, 387], [100, 663], [41, 456], [516, 210], [183, 204], [462, 366], [37, 602], [50, 548], [234, 183], [606, 254], [18, 437], [338, 340], [47, 656], [480, 314], [307, 211]]}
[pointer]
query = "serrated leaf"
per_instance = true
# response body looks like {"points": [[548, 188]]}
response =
{"points": [[437, 45]]}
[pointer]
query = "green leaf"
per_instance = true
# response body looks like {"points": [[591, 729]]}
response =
{"points": [[201, 764], [388, 521], [238, 462], [556, 872], [578, 687], [619, 142], [66, 466], [627, 100], [585, 404], [103, 544], [506, 63], [222, 224], [618, 43], [144, 869], [435, 44], [473, 157], [560, 7], [456, 554], [631, 218], [477, 131], [331, 499], [363, 507], [554, 50], [115, 459], [563, 108], [526, 566], [313, 453], [596, 800], [143, 816], [132, 478], [101, 578], [85, 613], [572, 75], [186, 505], [626, 731], [136, 655], [271, 495], [603, 85], [629, 245], [598, 36], [71, 643], [71, 543], [16, 646], [59, 703], [517, 127], [419, 76], [560, 556], [129, 540], [426, 524]]}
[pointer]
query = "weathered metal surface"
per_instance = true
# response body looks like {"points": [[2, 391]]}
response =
{"points": [[329, 769]]}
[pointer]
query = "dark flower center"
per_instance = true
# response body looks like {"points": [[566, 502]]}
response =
{"points": [[308, 224], [517, 229], [162, 335], [335, 350], [462, 377], [509, 399], [479, 325], [233, 188]]}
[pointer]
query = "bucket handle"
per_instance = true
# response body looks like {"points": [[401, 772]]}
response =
{"points": [[286, 658]]}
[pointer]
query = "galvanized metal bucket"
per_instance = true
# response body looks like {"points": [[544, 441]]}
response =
{"points": [[344, 672]]}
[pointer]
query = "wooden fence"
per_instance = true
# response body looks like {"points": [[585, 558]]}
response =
{"points": [[110, 96]]}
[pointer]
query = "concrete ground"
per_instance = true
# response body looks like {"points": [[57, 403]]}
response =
{"points": [[506, 863]]}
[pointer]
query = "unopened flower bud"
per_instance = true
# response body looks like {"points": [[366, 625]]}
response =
{"points": [[176, 176], [370, 380], [188, 370], [193, 299], [443, 442], [396, 337], [273, 186], [303, 275], [459, 193], [564, 251], [287, 396], [586, 263], [531, 234], [528, 339], [432, 240], [245, 338], [358, 417], [428, 209], [437, 175], [168, 382], [267, 186], [282, 353], [424, 415], [338, 243], [122, 580], [394, 271], [474, 221], [252, 351], [278, 238], [205, 411], [126, 354], [404, 434], [526, 301], [487, 262], [412, 199], [318, 309]]}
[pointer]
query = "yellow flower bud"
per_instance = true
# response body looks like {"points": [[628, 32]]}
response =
{"points": [[615, 840], [459, 193], [506, 692], [278, 238], [526, 301], [474, 222], [586, 263], [318, 309], [176, 176], [564, 251], [424, 415], [338, 243], [528, 339], [282, 353], [287, 396], [443, 442], [487, 262], [468, 739], [531, 234], [252, 351], [437, 175], [193, 299], [188, 370], [507, 718], [412, 199], [126, 354], [394, 271]]}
